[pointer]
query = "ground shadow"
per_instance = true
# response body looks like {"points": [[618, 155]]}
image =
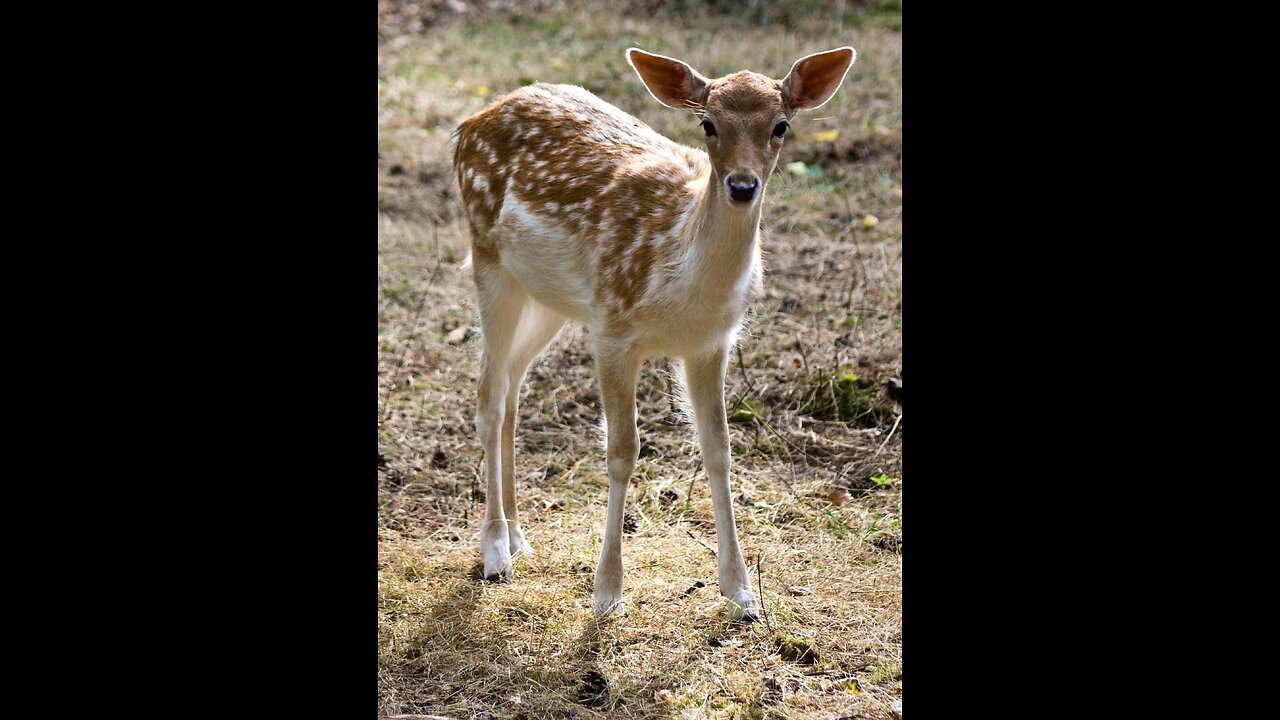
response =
{"points": [[467, 657]]}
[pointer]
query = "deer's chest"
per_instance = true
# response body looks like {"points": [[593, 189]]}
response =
{"points": [[703, 314]]}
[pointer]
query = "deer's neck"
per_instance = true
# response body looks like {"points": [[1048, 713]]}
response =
{"points": [[722, 238]]}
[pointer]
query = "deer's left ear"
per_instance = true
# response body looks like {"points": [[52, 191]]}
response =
{"points": [[815, 78]]}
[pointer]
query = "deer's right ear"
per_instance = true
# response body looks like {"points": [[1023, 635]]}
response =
{"points": [[670, 81]]}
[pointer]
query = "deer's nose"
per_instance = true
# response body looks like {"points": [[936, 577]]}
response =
{"points": [[742, 186]]}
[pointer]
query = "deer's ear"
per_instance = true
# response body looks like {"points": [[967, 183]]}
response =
{"points": [[670, 81], [815, 78]]}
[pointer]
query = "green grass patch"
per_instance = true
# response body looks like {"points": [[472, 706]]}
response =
{"points": [[830, 395], [797, 650], [744, 411]]}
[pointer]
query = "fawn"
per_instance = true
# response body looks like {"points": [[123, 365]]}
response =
{"points": [[580, 211]]}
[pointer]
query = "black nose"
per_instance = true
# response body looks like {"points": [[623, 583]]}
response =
{"points": [[742, 188]]}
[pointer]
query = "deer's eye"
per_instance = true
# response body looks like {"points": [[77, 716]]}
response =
{"points": [[780, 129], [709, 128]]}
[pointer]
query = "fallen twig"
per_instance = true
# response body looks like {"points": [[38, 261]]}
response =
{"points": [[886, 439], [760, 589], [708, 547]]}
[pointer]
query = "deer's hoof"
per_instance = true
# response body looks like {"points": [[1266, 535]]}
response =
{"points": [[742, 608]]}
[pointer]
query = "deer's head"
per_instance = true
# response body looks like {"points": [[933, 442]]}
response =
{"points": [[745, 115]]}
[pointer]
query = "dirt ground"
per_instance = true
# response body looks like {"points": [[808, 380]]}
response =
{"points": [[814, 398]]}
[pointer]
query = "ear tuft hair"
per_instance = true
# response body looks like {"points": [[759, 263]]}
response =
{"points": [[670, 81], [815, 78]]}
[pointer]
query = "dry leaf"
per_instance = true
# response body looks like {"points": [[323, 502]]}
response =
{"points": [[459, 335], [664, 695], [850, 685], [838, 497]]}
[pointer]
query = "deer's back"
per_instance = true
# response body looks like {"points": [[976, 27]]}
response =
{"points": [[556, 182]]}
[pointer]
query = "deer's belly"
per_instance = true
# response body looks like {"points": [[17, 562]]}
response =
{"points": [[547, 261]]}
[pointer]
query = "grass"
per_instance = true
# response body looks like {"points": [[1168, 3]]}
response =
{"points": [[815, 398]]}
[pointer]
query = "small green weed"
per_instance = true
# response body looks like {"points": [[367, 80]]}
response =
{"points": [[835, 524], [872, 527]]}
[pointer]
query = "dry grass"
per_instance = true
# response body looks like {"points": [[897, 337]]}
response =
{"points": [[816, 398]]}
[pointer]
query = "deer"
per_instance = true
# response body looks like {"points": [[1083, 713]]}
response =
{"points": [[579, 211]]}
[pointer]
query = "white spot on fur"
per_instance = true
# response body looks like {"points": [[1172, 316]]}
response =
{"points": [[604, 230]]}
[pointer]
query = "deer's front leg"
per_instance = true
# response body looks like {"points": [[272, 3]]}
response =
{"points": [[705, 379], [617, 369]]}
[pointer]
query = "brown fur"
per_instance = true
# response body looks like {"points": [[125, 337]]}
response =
{"points": [[597, 151]]}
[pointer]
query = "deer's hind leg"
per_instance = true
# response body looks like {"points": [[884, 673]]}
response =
{"points": [[617, 367], [538, 325], [501, 301]]}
